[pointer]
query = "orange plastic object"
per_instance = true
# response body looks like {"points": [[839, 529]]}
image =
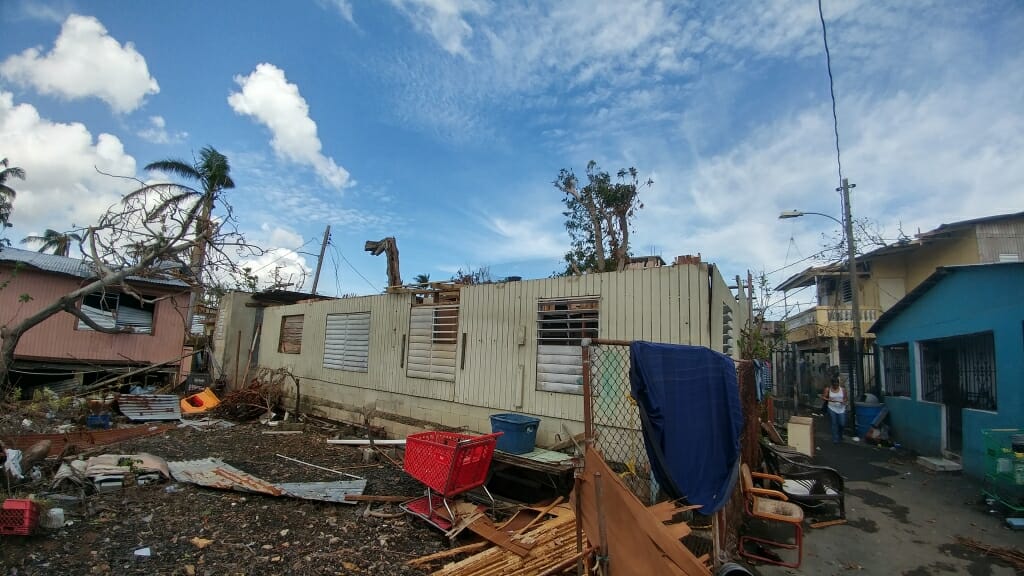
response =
{"points": [[200, 402]]}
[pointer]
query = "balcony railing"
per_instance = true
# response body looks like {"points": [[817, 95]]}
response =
{"points": [[830, 321]]}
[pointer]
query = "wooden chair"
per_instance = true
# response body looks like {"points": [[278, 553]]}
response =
{"points": [[808, 485], [770, 506]]}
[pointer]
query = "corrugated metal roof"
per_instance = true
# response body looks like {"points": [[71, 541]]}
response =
{"points": [[70, 266], [150, 406], [214, 473]]}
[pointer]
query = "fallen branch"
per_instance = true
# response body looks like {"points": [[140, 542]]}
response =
{"points": [[1012, 555]]}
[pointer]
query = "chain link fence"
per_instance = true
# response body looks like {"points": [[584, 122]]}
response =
{"points": [[616, 418]]}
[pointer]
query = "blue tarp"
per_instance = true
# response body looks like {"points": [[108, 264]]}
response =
{"points": [[690, 408]]}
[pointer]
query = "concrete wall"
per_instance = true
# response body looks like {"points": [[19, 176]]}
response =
{"points": [[496, 361], [58, 338], [968, 300], [232, 336], [961, 249]]}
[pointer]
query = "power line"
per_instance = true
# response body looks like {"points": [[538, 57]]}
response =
{"points": [[832, 91], [360, 274]]}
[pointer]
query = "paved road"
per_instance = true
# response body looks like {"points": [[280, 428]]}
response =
{"points": [[903, 520]]}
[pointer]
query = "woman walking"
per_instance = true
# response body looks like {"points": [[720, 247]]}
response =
{"points": [[838, 401]]}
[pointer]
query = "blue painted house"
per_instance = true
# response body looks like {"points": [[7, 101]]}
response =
{"points": [[952, 360]]}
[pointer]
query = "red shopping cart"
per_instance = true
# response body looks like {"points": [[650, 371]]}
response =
{"points": [[448, 463]]}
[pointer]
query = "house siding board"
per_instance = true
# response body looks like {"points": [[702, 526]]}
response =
{"points": [[997, 238], [969, 300], [86, 345]]}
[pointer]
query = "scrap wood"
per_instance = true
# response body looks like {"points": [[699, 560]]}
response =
{"points": [[547, 509], [1012, 555], [369, 498], [483, 527], [448, 553], [555, 542], [637, 542], [828, 523]]}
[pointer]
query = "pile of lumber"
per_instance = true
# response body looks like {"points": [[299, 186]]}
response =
{"points": [[551, 540]]}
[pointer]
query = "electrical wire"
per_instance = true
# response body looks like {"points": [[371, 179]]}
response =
{"points": [[832, 91], [360, 274]]}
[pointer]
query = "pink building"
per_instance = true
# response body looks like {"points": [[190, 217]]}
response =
{"points": [[63, 351]]}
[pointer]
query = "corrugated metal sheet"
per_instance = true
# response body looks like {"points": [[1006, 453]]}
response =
{"points": [[347, 342], [433, 333], [85, 439], [214, 473], [150, 406], [70, 266]]}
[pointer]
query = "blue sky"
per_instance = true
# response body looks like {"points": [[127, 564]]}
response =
{"points": [[444, 122]]}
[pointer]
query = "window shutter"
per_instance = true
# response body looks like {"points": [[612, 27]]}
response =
{"points": [[433, 335], [291, 334], [347, 342]]}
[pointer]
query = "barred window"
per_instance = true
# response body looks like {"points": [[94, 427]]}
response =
{"points": [[960, 371], [562, 324], [896, 363]]}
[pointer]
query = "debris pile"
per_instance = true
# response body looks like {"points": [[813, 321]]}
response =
{"points": [[259, 398]]}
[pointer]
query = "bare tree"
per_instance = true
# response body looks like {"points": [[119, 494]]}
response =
{"points": [[150, 233], [598, 217]]}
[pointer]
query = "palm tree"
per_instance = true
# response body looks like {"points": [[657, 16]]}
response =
{"points": [[54, 242], [7, 193], [213, 175], [422, 279]]}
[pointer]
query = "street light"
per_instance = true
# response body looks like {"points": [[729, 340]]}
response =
{"points": [[847, 224]]}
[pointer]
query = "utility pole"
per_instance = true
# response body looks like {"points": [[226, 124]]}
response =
{"points": [[320, 260], [851, 255]]}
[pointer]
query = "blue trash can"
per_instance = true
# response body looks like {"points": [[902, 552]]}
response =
{"points": [[519, 432], [866, 414]]}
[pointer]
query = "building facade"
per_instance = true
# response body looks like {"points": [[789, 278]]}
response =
{"points": [[951, 357], [473, 351]]}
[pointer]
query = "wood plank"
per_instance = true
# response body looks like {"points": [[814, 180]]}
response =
{"points": [[484, 528], [637, 543]]}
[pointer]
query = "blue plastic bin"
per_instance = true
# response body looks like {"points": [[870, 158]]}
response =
{"points": [[866, 414], [519, 432], [98, 421]]}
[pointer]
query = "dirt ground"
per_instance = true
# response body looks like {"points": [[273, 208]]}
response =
{"points": [[248, 533]]}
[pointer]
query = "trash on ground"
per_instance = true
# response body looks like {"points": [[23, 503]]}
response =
{"points": [[18, 516], [83, 440], [214, 473], [144, 407], [201, 402], [110, 472]]}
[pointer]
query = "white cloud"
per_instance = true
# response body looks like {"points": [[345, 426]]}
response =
{"points": [[271, 100], [445, 20], [342, 7], [280, 264], [85, 62], [62, 186], [282, 237], [521, 239], [157, 132]]}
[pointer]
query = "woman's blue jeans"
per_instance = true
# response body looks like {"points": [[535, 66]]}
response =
{"points": [[838, 423]]}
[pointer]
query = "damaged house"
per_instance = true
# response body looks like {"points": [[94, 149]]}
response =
{"points": [[63, 352], [453, 354]]}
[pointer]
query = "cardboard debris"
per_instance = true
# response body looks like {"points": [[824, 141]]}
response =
{"points": [[214, 473]]}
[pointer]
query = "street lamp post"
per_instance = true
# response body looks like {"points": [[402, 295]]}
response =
{"points": [[851, 255]]}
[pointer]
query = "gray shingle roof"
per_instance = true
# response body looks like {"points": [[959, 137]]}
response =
{"points": [[70, 266]]}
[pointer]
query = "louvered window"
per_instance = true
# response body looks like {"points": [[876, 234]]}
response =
{"points": [[291, 335], [562, 325], [347, 342], [433, 335]]}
